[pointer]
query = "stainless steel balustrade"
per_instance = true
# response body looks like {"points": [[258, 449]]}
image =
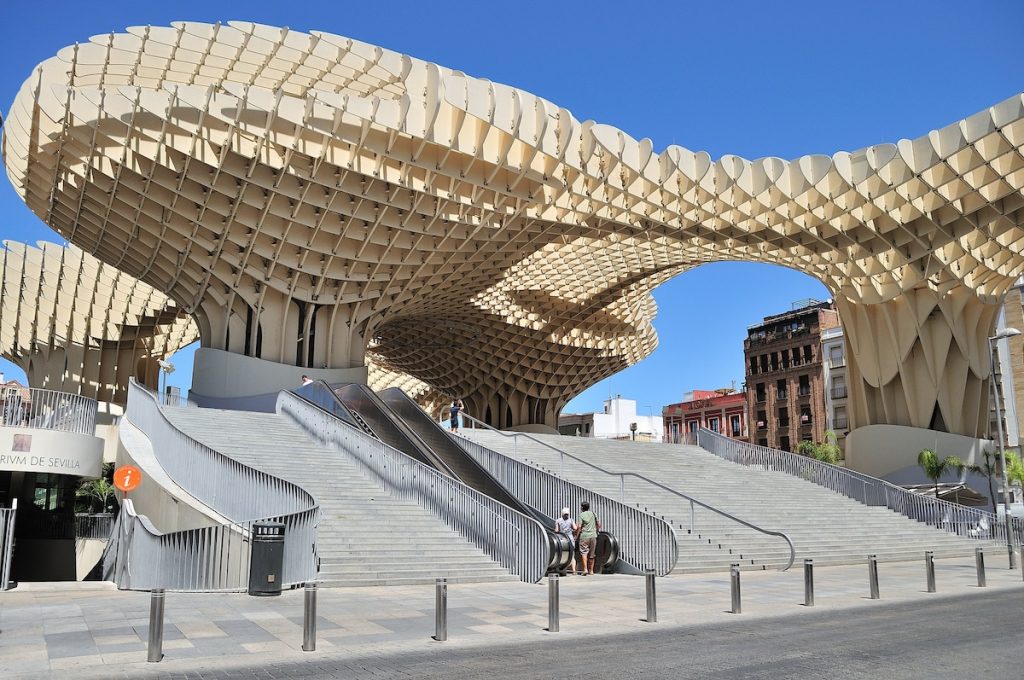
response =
{"points": [[7, 518], [701, 514], [47, 410], [139, 557], [208, 559], [645, 541], [949, 517], [517, 542]]}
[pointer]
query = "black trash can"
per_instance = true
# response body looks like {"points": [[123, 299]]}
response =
{"points": [[267, 559]]}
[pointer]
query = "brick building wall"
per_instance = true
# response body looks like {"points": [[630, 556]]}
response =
{"points": [[784, 378]]}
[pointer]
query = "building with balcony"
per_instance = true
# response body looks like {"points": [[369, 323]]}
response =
{"points": [[785, 386], [833, 367], [722, 411]]}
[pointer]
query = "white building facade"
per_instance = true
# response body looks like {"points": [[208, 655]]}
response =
{"points": [[615, 422], [833, 366]]}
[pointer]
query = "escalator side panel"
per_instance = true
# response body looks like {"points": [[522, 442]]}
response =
{"points": [[462, 465], [363, 401]]}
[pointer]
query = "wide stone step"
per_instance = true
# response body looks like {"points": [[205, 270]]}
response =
{"points": [[816, 519], [425, 579], [366, 536]]}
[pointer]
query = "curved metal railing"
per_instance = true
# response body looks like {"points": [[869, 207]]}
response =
{"points": [[949, 517], [198, 559], [622, 476], [517, 542], [645, 541], [47, 410], [207, 559]]}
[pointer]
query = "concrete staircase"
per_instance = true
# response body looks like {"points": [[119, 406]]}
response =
{"points": [[366, 537], [823, 525]]}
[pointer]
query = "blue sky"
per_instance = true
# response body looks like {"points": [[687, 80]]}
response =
{"points": [[746, 77]]}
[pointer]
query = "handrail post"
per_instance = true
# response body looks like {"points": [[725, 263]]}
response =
{"points": [[309, 619], [979, 564], [808, 583], [441, 610], [156, 625], [873, 576], [553, 603], [652, 603], [692, 527], [929, 567], [734, 574]]}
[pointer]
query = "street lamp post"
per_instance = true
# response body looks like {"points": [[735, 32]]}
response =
{"points": [[166, 368], [1005, 333]]}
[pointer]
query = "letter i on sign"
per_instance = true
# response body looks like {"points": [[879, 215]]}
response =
{"points": [[127, 478]]}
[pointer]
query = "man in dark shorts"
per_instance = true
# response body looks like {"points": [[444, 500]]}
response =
{"points": [[589, 526], [456, 409]]}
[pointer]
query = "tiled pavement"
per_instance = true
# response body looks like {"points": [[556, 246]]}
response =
{"points": [[93, 630]]}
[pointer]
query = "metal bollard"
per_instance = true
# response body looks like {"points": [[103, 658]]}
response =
{"points": [[553, 603], [441, 610], [309, 619], [652, 602], [873, 576], [929, 568], [156, 625], [979, 563], [734, 572], [808, 583]]}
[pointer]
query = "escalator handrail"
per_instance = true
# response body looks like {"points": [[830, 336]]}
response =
{"points": [[622, 475], [421, 446], [426, 419]]}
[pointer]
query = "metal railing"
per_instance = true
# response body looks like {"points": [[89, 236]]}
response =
{"points": [[208, 559], [7, 518], [689, 438], [517, 542], [645, 541], [96, 526], [177, 401], [240, 493], [648, 486], [950, 517], [839, 393], [47, 410]]}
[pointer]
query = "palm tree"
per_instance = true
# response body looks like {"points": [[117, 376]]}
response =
{"points": [[934, 468], [97, 491], [989, 469]]}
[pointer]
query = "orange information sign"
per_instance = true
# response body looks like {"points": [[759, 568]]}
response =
{"points": [[127, 478]]}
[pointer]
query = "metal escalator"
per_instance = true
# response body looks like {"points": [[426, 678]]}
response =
{"points": [[408, 432], [465, 468], [366, 407]]}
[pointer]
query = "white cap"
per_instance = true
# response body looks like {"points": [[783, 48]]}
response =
{"points": [[565, 511]]}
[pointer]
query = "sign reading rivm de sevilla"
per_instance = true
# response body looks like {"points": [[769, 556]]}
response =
{"points": [[50, 451]]}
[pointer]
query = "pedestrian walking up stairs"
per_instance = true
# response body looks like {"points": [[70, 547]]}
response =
{"points": [[823, 525], [366, 537]]}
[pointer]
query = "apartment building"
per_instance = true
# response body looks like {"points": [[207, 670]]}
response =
{"points": [[785, 382]]}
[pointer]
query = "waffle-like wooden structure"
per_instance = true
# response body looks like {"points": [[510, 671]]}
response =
{"points": [[308, 198], [75, 324]]}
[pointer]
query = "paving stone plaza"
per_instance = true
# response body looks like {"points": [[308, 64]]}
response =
{"points": [[95, 631]]}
